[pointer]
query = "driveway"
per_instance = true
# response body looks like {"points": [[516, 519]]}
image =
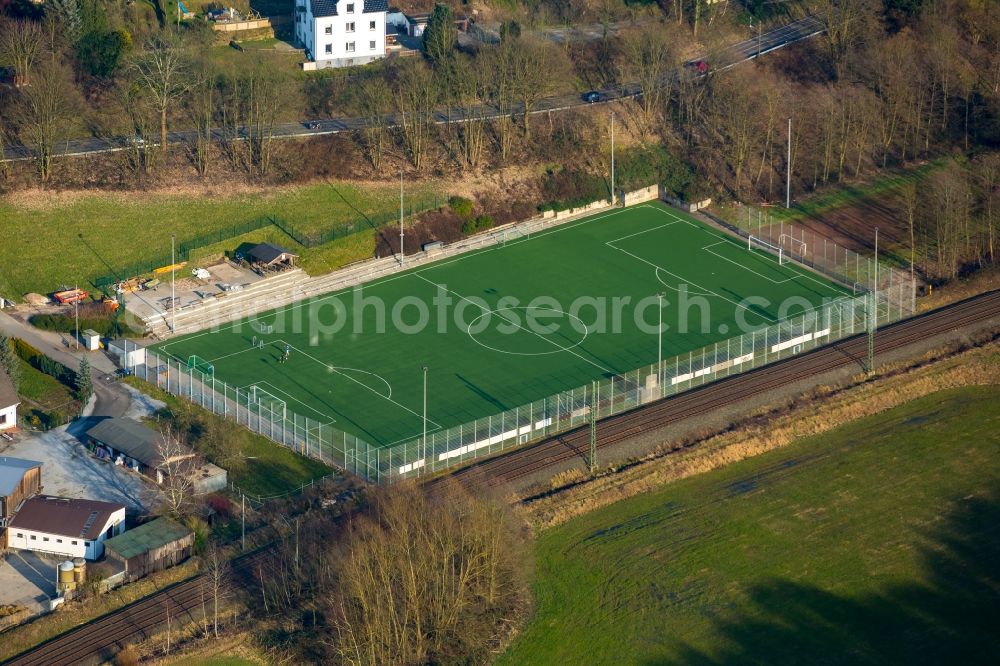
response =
{"points": [[28, 579], [69, 470]]}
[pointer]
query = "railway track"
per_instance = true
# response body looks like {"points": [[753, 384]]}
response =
{"points": [[100, 639], [575, 444]]}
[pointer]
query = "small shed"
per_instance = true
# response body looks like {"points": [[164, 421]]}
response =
{"points": [[152, 547], [129, 353], [129, 443], [91, 339], [269, 255]]}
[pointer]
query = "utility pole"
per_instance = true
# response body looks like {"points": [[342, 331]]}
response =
{"points": [[76, 308], [173, 296], [425, 414], [593, 428], [788, 169], [614, 199], [659, 343], [243, 521], [401, 253]]}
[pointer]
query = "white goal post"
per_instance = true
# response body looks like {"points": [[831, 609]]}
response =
{"points": [[263, 399], [795, 246], [761, 244]]}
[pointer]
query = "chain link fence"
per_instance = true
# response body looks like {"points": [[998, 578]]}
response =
{"points": [[877, 294]]}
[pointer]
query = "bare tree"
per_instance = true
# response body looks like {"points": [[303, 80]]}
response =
{"points": [[650, 58], [176, 472], [471, 83], [376, 103], [45, 111], [163, 71], [201, 102], [217, 578], [539, 68], [138, 117], [416, 95], [20, 46]]}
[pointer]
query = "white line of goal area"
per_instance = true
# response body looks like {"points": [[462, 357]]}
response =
{"points": [[804, 273], [538, 335], [681, 278]]}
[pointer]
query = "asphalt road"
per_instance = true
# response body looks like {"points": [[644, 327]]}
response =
{"points": [[721, 60]]}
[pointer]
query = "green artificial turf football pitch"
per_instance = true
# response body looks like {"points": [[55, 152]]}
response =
{"points": [[503, 326]]}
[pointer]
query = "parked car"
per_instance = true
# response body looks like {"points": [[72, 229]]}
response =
{"points": [[592, 96], [699, 66]]}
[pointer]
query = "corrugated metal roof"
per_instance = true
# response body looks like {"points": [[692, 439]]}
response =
{"points": [[12, 470], [266, 252], [64, 516], [139, 540], [131, 438]]}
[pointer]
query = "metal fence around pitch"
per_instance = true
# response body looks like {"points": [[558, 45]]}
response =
{"points": [[879, 294]]}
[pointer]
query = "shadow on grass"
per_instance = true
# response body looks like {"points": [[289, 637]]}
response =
{"points": [[953, 617]]}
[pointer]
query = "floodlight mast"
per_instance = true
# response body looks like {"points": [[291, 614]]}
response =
{"points": [[424, 440], [402, 254], [173, 296], [659, 343], [613, 197]]}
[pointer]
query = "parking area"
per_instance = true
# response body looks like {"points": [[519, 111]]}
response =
{"points": [[28, 580]]}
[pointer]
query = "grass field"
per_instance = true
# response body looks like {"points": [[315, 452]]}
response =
{"points": [[875, 543], [42, 249], [507, 325]]}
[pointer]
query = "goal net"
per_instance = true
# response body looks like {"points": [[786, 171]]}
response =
{"points": [[195, 362], [266, 403], [792, 246], [512, 234], [754, 243]]}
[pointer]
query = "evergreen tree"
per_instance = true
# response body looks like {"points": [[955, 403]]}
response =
{"points": [[84, 382], [440, 35], [9, 361]]}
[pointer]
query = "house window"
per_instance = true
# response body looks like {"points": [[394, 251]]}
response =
{"points": [[350, 8], [329, 30], [371, 25], [58, 540], [371, 45], [20, 535], [34, 538], [73, 542], [45, 538], [349, 27], [350, 47], [329, 48], [87, 544]]}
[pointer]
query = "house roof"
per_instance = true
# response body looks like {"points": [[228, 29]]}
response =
{"points": [[131, 438], [69, 517], [144, 538], [322, 8], [12, 470], [266, 252], [8, 396]]}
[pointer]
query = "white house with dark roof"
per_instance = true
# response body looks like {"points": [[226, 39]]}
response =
{"points": [[341, 33], [64, 526]]}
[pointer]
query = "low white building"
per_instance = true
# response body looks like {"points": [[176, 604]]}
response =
{"points": [[341, 33], [8, 403], [128, 352], [65, 526]]}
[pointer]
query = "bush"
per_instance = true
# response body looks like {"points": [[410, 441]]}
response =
{"points": [[107, 326], [101, 53], [43, 363], [568, 188], [462, 207], [646, 165], [478, 224]]}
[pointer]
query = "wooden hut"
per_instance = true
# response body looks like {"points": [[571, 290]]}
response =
{"points": [[151, 547], [19, 480]]}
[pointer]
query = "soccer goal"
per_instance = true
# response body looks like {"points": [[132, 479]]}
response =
{"points": [[512, 234], [195, 362], [266, 403], [796, 248], [262, 328], [760, 244]]}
